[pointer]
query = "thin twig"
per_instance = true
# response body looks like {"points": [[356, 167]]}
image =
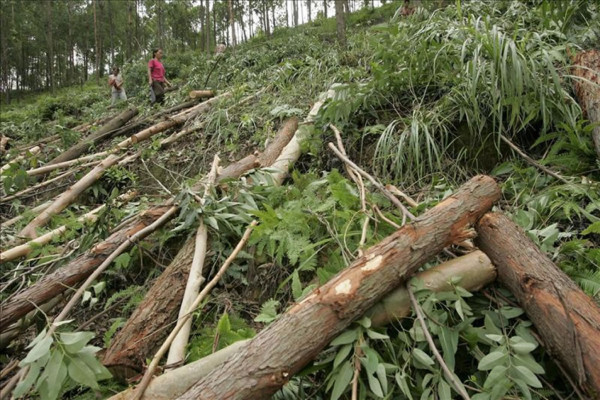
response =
{"points": [[449, 375], [378, 185], [532, 161], [165, 346]]}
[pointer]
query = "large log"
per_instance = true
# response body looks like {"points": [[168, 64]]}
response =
{"points": [[474, 270], [145, 330], [273, 356], [567, 320], [74, 272], [587, 89], [105, 132]]}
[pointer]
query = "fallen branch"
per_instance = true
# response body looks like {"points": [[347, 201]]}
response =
{"points": [[103, 133], [26, 248], [144, 331], [195, 278], [68, 196], [447, 373], [51, 167], [272, 357], [532, 161], [183, 320], [474, 270], [567, 320], [74, 272]]}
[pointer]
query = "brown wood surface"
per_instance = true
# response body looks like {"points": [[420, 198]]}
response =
{"points": [[587, 89], [103, 133], [289, 343], [146, 330], [74, 272], [567, 320]]}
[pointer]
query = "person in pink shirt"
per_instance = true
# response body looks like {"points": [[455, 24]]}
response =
{"points": [[156, 76]]}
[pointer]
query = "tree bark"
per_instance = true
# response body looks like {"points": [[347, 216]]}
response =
{"points": [[587, 89], [144, 331], [474, 269], [68, 197], [232, 23], [103, 133], [74, 272], [567, 320], [340, 19], [273, 356], [198, 94]]}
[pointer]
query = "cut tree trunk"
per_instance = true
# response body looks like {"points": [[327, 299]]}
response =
{"points": [[105, 132], [145, 330], [68, 196], [74, 272], [26, 248], [273, 356], [587, 89], [198, 94], [567, 320], [475, 270]]}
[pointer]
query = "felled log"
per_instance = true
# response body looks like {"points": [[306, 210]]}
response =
{"points": [[26, 248], [173, 121], [198, 94], [567, 320], [74, 272], [273, 356], [32, 151], [101, 134], [144, 331], [475, 270], [587, 89], [68, 196]]}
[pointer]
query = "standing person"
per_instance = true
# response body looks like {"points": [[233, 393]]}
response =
{"points": [[115, 81], [156, 76]]}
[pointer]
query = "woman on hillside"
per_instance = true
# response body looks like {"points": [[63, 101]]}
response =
{"points": [[156, 76], [115, 81]]}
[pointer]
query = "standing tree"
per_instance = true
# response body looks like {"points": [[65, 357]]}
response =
{"points": [[340, 19], [232, 23]]}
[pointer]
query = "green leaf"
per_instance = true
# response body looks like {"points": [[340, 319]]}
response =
{"points": [[347, 337], [593, 228], [498, 372], [376, 335], [341, 355], [296, 285], [342, 379], [122, 261], [39, 350], [381, 375], [422, 357], [511, 312], [371, 360], [444, 390], [75, 341], [375, 386], [528, 361], [528, 376], [449, 341], [491, 360], [99, 287], [26, 384], [56, 370], [401, 380], [81, 373], [523, 347]]}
